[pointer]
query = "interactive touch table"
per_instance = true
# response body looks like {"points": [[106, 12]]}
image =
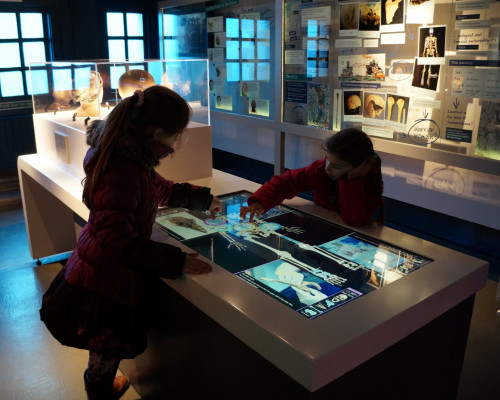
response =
{"points": [[300, 306], [311, 265]]}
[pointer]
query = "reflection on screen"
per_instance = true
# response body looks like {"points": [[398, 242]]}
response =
{"points": [[233, 72], [263, 51], [247, 50], [310, 265], [248, 71], [63, 80], [247, 28], [263, 29], [232, 28], [232, 50], [263, 71]]}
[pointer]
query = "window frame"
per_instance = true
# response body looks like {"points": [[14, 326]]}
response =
{"points": [[46, 39], [126, 38]]}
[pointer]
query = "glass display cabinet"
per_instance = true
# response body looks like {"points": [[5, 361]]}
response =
{"points": [[239, 46], [422, 78], [68, 95], [79, 90]]}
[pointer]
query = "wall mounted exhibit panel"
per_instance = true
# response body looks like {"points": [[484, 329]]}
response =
{"points": [[422, 78]]}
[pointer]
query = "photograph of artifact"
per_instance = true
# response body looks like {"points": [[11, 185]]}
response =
{"points": [[215, 24], [369, 16], [393, 12], [420, 12], [352, 102], [89, 97], [374, 105], [132, 80], [488, 137], [250, 89], [296, 113], [397, 108], [258, 107], [318, 101], [224, 102], [431, 44], [349, 16], [366, 67], [425, 77], [220, 39]]}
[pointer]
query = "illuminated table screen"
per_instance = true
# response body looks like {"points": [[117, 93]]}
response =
{"points": [[309, 264]]}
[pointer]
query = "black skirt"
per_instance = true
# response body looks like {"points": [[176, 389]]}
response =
{"points": [[83, 319]]}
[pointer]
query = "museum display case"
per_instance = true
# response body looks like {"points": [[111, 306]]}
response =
{"points": [[68, 95], [240, 50], [422, 78], [83, 89]]}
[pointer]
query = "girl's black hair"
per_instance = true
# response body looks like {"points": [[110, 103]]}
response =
{"points": [[355, 146]]}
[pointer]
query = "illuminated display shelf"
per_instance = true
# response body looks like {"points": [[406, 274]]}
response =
{"points": [[82, 90]]}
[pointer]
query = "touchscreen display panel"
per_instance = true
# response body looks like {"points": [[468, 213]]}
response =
{"points": [[309, 264]]}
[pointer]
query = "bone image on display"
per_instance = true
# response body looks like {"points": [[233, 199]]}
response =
{"points": [[374, 105], [352, 105], [395, 105], [349, 16], [391, 6], [186, 223], [488, 138], [369, 16]]}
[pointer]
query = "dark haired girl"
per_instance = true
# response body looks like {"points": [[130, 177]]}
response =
{"points": [[98, 300], [348, 181]]}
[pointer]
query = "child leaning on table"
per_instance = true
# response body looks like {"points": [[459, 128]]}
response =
{"points": [[348, 181], [98, 301]]}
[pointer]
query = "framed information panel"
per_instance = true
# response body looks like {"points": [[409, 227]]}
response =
{"points": [[309, 264]]}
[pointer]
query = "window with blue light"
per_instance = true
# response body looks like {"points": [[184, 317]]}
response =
{"points": [[23, 41], [233, 72], [233, 50], [125, 36], [232, 28]]}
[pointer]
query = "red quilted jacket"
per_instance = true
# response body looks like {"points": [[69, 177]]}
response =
{"points": [[356, 199], [114, 253]]}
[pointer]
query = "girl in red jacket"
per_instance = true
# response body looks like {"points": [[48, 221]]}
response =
{"points": [[98, 300], [348, 181]]}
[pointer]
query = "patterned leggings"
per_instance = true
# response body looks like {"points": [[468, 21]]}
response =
{"points": [[101, 366]]}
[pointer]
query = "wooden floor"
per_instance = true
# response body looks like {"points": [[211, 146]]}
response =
{"points": [[33, 365]]}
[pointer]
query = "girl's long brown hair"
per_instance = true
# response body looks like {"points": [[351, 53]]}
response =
{"points": [[159, 107]]}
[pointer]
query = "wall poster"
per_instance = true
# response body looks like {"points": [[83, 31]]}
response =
{"points": [[421, 72]]}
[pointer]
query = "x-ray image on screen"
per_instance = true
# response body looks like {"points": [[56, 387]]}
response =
{"points": [[309, 264]]}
